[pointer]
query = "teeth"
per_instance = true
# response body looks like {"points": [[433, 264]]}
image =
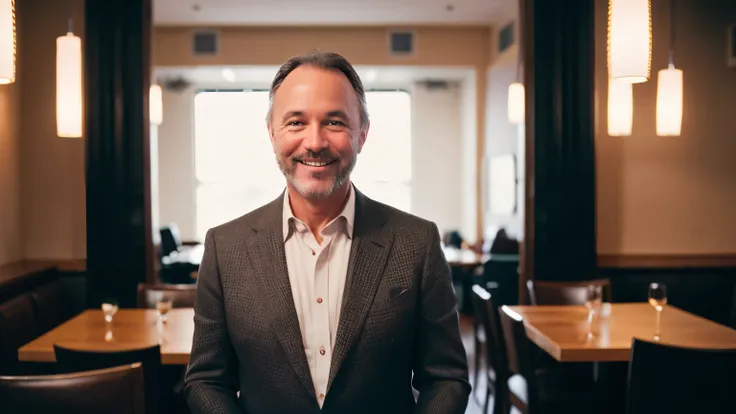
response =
{"points": [[315, 164]]}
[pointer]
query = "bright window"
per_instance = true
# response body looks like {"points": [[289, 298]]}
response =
{"points": [[236, 169]]}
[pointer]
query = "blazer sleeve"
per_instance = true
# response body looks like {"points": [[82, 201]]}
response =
{"points": [[440, 364], [211, 381]]}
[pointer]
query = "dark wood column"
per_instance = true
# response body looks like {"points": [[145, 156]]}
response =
{"points": [[117, 64], [560, 222]]}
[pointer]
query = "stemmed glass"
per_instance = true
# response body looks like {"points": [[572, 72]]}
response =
{"points": [[658, 300], [164, 303], [594, 303], [109, 309]]}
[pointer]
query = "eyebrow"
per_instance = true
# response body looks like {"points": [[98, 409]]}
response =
{"points": [[331, 114]]}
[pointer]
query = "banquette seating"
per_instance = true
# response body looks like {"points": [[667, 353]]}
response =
{"points": [[33, 300]]}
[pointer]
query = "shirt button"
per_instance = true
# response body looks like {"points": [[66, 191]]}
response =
{"points": [[322, 350], [319, 300], [321, 396], [313, 253]]}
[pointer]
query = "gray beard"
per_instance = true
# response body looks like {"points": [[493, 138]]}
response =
{"points": [[343, 175]]}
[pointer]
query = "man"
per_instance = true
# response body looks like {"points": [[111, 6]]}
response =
{"points": [[324, 300]]}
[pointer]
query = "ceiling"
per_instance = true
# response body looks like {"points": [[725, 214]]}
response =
{"points": [[332, 12], [261, 76]]}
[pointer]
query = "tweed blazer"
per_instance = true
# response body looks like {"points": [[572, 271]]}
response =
{"points": [[398, 325]]}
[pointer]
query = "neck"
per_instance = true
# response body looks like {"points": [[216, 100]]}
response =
{"points": [[317, 213]]}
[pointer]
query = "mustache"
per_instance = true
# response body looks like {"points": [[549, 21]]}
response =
{"points": [[323, 155]]}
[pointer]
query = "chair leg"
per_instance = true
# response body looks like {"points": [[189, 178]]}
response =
{"points": [[478, 351], [487, 400]]}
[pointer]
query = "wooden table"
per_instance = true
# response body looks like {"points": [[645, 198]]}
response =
{"points": [[130, 329], [562, 331]]}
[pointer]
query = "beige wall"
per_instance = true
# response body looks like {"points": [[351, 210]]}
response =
{"points": [[435, 46], [502, 138], [11, 247], [52, 195], [672, 195]]}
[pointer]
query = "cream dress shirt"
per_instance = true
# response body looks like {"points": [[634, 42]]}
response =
{"points": [[317, 273]]}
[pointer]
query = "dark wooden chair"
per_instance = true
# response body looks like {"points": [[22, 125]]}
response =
{"points": [[547, 389], [565, 293], [183, 296], [496, 369], [670, 379], [76, 360], [118, 390]]}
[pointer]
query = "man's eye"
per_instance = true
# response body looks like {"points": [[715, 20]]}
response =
{"points": [[335, 123], [295, 123]]}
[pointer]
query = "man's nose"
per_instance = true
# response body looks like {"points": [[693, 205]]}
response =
{"points": [[314, 138]]}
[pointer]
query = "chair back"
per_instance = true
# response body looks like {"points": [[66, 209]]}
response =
{"points": [[170, 239], [183, 296], [487, 313], [565, 293], [117, 390], [519, 350], [75, 360], [670, 379]]}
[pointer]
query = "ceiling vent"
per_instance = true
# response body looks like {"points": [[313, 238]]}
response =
{"points": [[401, 43], [205, 43], [506, 37]]}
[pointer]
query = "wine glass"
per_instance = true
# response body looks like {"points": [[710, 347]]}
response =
{"points": [[164, 303], [658, 300], [109, 309], [594, 304]]}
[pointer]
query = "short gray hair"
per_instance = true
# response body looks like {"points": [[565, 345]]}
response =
{"points": [[322, 60]]}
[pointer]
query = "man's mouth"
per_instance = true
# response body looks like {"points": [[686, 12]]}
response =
{"points": [[317, 163]]}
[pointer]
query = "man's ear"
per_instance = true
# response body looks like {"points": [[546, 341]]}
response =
{"points": [[270, 131], [363, 136]]}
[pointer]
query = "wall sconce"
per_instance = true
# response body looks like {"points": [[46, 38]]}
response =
{"points": [[620, 107], [7, 41], [156, 106], [630, 39], [69, 106], [516, 103], [669, 91]]}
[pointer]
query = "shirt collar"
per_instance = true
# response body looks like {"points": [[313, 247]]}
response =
{"points": [[347, 214]]}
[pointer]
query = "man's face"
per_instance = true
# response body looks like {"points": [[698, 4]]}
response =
{"points": [[315, 130]]}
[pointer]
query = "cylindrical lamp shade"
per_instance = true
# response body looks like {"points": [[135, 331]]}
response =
{"points": [[156, 107], [630, 40], [69, 105], [669, 102], [7, 41], [620, 107], [516, 103]]}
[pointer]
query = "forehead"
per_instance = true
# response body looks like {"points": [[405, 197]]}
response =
{"points": [[312, 88]]}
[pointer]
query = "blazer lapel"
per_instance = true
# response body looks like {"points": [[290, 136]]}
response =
{"points": [[269, 259], [368, 254]]}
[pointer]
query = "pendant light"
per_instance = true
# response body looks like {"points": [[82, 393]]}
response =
{"points": [[69, 105], [155, 102], [7, 41], [669, 90], [516, 90], [620, 107], [630, 39]]}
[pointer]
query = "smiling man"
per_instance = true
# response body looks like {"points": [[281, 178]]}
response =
{"points": [[324, 300]]}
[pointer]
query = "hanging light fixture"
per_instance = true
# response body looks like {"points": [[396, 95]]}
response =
{"points": [[516, 91], [669, 91], [69, 105], [630, 39], [7, 41], [156, 107], [620, 107]]}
